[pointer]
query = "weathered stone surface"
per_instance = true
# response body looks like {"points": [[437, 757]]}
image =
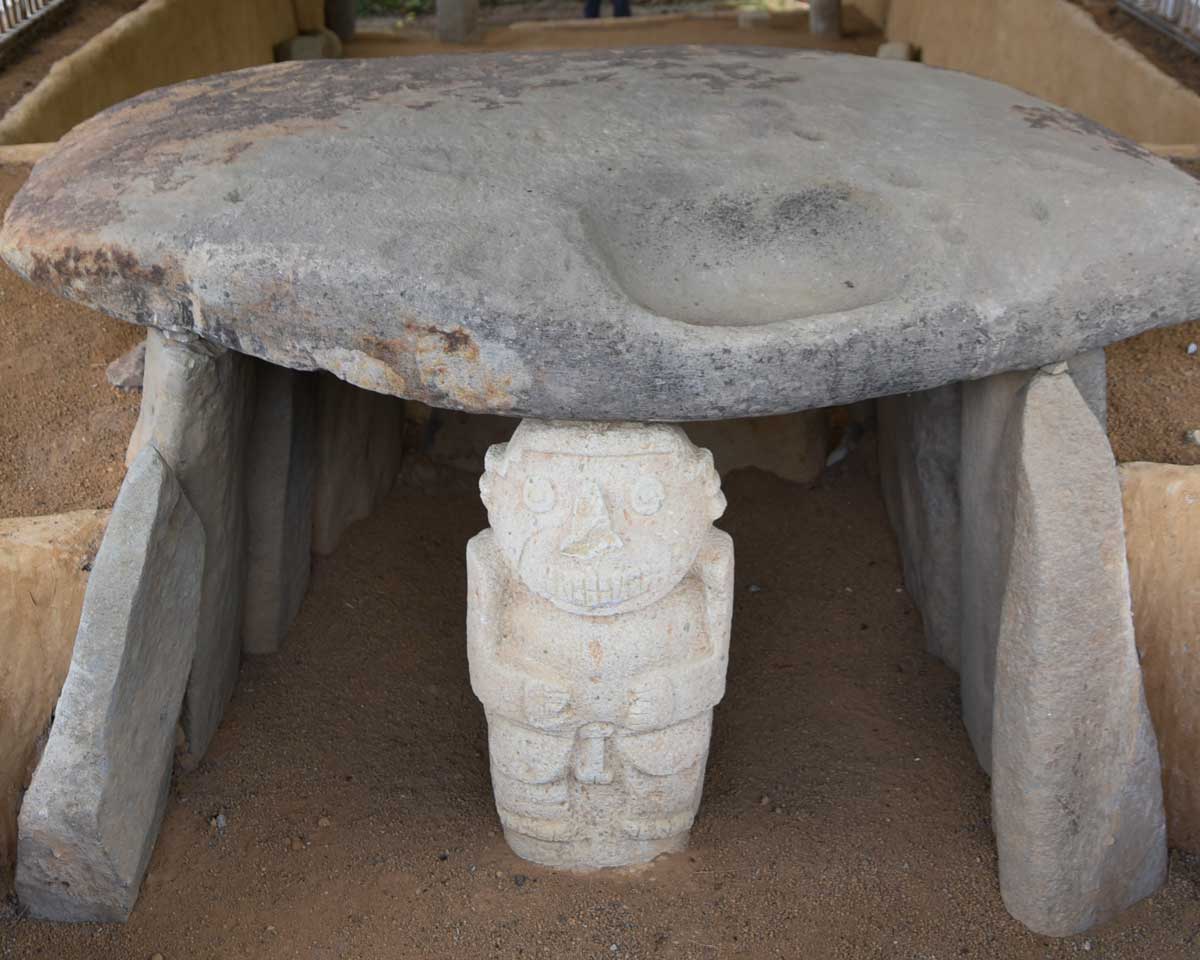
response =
{"points": [[457, 20], [1090, 373], [738, 244], [1076, 791], [92, 812], [598, 623], [196, 407], [44, 566], [360, 443], [920, 436], [792, 446], [281, 470], [126, 372], [1162, 540]]}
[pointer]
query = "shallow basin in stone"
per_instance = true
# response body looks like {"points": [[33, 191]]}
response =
{"points": [[677, 233]]}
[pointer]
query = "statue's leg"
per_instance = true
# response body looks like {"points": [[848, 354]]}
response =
{"points": [[664, 775], [529, 780]]}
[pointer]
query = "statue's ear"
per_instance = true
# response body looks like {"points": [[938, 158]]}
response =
{"points": [[495, 463]]}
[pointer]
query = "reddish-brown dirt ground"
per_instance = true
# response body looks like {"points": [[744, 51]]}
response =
{"points": [[63, 429], [844, 814]]}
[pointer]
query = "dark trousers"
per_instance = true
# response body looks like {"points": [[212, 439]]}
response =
{"points": [[591, 8]]}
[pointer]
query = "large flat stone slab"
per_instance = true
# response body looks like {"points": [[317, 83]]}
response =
{"points": [[752, 232], [91, 815]]}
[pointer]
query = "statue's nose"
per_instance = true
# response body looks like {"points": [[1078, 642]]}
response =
{"points": [[590, 534]]}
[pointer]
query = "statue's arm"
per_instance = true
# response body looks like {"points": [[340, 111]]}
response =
{"points": [[501, 687], [677, 693], [495, 683]]}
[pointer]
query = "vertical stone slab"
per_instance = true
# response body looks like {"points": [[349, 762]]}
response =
{"points": [[985, 485], [457, 20], [1076, 791], [44, 569], [199, 399], [825, 18], [919, 451], [91, 815], [280, 478], [1090, 372], [1162, 541], [360, 438]]}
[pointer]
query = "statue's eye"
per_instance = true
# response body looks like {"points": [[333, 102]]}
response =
{"points": [[647, 496], [539, 494]]}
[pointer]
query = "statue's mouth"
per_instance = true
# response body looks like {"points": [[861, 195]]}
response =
{"points": [[595, 588]]}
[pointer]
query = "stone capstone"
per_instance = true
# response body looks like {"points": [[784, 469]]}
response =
{"points": [[91, 815], [281, 469], [598, 616], [44, 567], [1162, 541], [736, 243]]}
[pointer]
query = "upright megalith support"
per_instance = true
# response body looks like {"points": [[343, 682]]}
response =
{"points": [[280, 480], [1076, 791], [457, 20], [919, 453], [985, 496], [91, 815], [825, 18], [598, 624], [360, 443], [196, 409]]}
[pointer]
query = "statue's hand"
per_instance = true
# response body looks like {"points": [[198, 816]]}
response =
{"points": [[651, 703], [546, 702]]}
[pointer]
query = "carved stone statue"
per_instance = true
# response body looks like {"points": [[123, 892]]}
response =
{"points": [[598, 636]]}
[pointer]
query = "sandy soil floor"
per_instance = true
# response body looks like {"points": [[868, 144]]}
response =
{"points": [[63, 429], [844, 815], [87, 19]]}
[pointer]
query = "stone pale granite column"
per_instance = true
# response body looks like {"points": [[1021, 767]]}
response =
{"points": [[598, 624]]}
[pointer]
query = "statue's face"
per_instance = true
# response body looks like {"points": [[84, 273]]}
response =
{"points": [[605, 531]]}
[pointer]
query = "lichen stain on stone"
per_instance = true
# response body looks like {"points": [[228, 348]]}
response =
{"points": [[1056, 118], [440, 366]]}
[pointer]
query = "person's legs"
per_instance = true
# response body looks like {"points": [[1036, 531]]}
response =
{"points": [[621, 8], [591, 8]]}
